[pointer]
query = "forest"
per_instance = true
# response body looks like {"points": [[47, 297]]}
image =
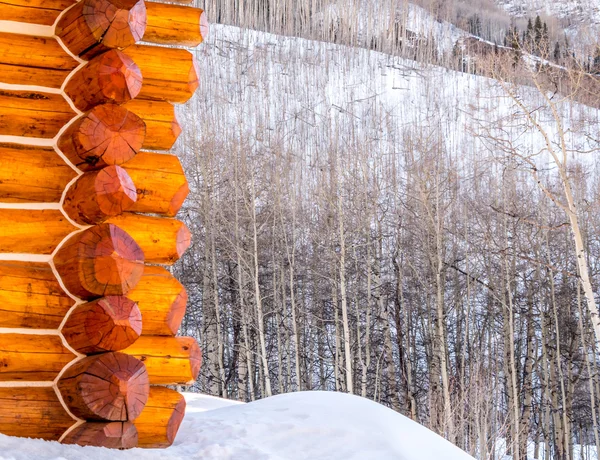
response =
{"points": [[374, 222]]}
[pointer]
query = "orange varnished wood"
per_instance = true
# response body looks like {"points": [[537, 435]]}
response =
{"points": [[33, 113], [106, 135], [111, 435], [100, 261], [170, 24], [163, 240], [98, 195], [170, 74], [30, 60], [31, 297], [111, 386], [29, 358], [108, 324], [160, 182], [160, 420], [42, 12], [161, 299], [33, 413], [32, 231], [162, 127], [110, 77], [32, 174], [169, 360], [94, 26]]}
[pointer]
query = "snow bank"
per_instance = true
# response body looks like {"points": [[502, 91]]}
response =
{"points": [[307, 425]]}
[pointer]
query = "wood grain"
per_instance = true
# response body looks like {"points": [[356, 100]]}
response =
{"points": [[163, 240], [31, 60], [159, 422], [33, 113], [106, 135], [161, 299], [32, 358], [170, 74], [31, 297], [169, 24], [42, 12], [100, 261], [160, 182], [111, 435], [162, 127], [110, 386], [94, 26], [33, 413], [108, 324], [32, 231], [98, 195], [168, 360], [110, 77], [30, 174]]}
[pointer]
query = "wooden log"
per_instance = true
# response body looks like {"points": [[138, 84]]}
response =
{"points": [[98, 195], [94, 26], [110, 77], [111, 386], [32, 358], [162, 127], [33, 412], [30, 60], [111, 435], [32, 231], [42, 12], [100, 261], [106, 135], [33, 113], [163, 240], [108, 324], [169, 24], [161, 299], [160, 181], [32, 174], [168, 360], [30, 296], [159, 422], [170, 74]]}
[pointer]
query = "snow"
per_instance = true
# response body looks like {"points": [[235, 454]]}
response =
{"points": [[315, 425]]}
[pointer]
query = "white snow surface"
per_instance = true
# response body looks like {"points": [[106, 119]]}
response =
{"points": [[306, 425]]}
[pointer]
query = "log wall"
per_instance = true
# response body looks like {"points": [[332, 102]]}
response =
{"points": [[88, 316]]}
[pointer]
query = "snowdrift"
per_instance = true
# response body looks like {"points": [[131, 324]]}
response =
{"points": [[307, 425]]}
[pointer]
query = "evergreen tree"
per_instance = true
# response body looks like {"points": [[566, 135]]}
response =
{"points": [[556, 53]]}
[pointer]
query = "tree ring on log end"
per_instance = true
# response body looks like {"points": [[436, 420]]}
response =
{"points": [[107, 135], [100, 261], [108, 324], [111, 386]]}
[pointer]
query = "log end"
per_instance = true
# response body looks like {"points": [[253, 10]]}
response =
{"points": [[195, 357], [109, 324], [97, 196], [184, 239], [178, 199], [110, 386], [112, 435], [100, 261], [177, 312], [120, 78], [194, 76], [118, 26], [204, 26]]}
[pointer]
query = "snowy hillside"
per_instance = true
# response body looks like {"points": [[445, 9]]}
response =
{"points": [[309, 425], [574, 10]]}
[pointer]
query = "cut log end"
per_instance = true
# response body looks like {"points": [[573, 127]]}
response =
{"points": [[177, 312], [112, 435], [160, 421], [102, 260], [111, 386], [184, 239], [110, 77], [109, 324], [204, 26], [97, 196], [106, 135]]}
